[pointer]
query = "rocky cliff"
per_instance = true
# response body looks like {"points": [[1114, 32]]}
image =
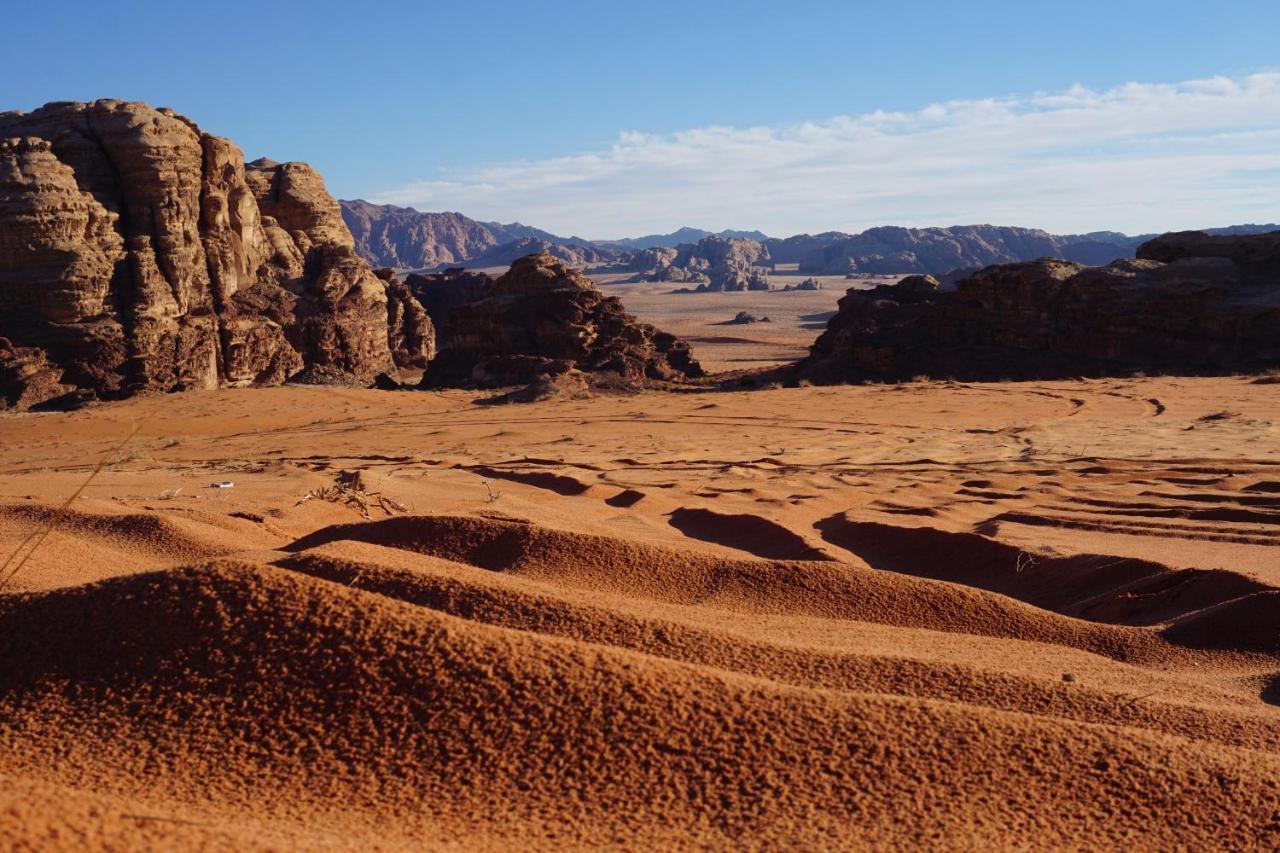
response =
{"points": [[1191, 303], [541, 319], [139, 253]]}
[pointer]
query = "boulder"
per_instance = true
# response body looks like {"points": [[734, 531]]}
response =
{"points": [[542, 319], [1213, 308], [27, 377], [807, 284], [139, 253]]}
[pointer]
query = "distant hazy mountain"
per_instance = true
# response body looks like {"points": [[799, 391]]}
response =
{"points": [[678, 237], [390, 236], [402, 237], [937, 251], [507, 253], [516, 231]]}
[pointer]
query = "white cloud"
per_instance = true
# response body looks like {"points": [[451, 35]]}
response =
{"points": [[1137, 157]]}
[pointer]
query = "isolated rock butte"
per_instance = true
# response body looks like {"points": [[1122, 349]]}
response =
{"points": [[1214, 308], [716, 263], [138, 253], [542, 318]]}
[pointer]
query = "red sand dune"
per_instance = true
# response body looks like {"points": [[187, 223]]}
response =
{"points": [[643, 622]]}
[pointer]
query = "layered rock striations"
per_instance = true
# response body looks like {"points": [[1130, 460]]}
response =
{"points": [[1190, 303], [542, 319], [139, 253]]}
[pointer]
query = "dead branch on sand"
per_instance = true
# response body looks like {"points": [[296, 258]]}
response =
{"points": [[349, 489]]}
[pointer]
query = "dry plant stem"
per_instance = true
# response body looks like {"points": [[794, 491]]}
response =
{"points": [[37, 537], [350, 490]]}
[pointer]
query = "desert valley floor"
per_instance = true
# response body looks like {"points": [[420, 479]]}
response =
{"points": [[968, 614]]}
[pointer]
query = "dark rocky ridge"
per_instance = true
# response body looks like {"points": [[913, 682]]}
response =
{"points": [[139, 253], [1191, 304], [544, 319], [444, 292]]}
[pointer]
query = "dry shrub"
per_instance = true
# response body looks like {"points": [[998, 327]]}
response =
{"points": [[349, 489]]}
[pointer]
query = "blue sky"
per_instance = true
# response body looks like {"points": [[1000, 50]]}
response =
{"points": [[606, 119]]}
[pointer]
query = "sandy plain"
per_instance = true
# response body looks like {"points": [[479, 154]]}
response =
{"points": [[959, 614]]}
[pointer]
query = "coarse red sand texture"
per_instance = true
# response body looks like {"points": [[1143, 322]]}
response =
{"points": [[1018, 615]]}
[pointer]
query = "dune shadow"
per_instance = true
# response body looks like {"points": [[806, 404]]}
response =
{"points": [[751, 533], [1271, 693], [816, 321]]}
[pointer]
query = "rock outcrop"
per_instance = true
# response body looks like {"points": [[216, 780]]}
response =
{"points": [[411, 335], [443, 293], [1190, 304], [714, 263], [807, 284], [139, 253], [543, 319]]}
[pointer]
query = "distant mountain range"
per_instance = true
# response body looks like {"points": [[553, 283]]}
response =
{"points": [[405, 238], [679, 237]]}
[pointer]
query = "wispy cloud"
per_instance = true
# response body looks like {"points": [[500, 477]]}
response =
{"points": [[1137, 157]]}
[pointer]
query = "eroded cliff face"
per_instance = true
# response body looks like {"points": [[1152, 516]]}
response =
{"points": [[1189, 304], [139, 253]]}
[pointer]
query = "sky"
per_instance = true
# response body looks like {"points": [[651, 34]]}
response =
{"points": [[611, 119]]}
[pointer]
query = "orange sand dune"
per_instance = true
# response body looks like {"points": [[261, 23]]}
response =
{"points": [[964, 615]]}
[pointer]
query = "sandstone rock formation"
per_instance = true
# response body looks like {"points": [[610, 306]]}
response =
{"points": [[807, 284], [1257, 255], [411, 335], [543, 319], [715, 263], [1214, 307], [443, 292], [139, 253]]}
